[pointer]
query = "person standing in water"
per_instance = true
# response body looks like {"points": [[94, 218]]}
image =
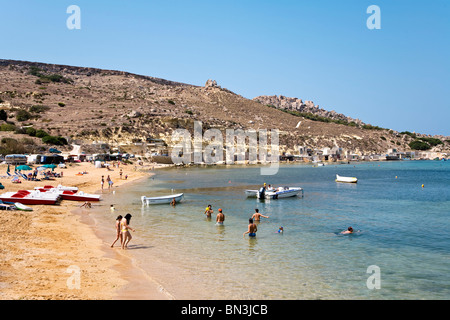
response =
{"points": [[257, 216], [118, 231], [252, 228], [125, 230], [220, 217], [208, 211]]}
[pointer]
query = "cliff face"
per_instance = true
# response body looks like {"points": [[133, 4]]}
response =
{"points": [[119, 108]]}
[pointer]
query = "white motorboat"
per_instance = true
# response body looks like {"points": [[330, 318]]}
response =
{"points": [[279, 193], [251, 193], [162, 199], [254, 193], [346, 179]]}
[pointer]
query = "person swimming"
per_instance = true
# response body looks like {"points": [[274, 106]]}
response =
{"points": [[348, 231], [280, 230]]}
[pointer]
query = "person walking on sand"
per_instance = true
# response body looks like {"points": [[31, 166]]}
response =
{"points": [[220, 217], [103, 181], [257, 216], [118, 231], [125, 230], [252, 228]]}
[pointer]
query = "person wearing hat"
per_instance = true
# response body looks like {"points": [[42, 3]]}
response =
{"points": [[220, 217]]}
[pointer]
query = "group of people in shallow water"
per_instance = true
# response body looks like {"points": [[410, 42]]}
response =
{"points": [[252, 228], [123, 225]]}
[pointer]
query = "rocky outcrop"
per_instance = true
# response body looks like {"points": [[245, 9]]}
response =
{"points": [[211, 84], [296, 104]]}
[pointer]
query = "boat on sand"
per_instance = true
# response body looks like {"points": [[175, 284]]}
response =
{"points": [[58, 187], [20, 206], [72, 195], [30, 197]]}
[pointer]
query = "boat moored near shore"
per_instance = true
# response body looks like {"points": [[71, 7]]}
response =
{"points": [[346, 179], [162, 199]]}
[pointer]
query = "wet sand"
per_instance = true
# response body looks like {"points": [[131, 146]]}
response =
{"points": [[57, 252]]}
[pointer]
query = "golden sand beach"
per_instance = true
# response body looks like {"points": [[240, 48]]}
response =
{"points": [[43, 253]]}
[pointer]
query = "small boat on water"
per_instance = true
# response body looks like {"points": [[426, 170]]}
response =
{"points": [[162, 199], [30, 197], [279, 193], [254, 193], [346, 179]]}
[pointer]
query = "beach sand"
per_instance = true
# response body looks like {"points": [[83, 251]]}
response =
{"points": [[55, 252]]}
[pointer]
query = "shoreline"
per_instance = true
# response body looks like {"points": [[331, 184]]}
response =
{"points": [[134, 288], [55, 253], [38, 248]]}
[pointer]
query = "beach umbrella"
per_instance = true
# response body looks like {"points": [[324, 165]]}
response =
{"points": [[23, 167], [50, 166]]}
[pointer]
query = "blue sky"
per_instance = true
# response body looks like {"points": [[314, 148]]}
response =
{"points": [[396, 77]]}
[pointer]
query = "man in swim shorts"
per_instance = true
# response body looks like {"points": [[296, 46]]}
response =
{"points": [[220, 217], [252, 228], [257, 216]]}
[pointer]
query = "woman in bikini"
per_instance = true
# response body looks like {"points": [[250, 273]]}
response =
{"points": [[118, 231], [124, 229]]}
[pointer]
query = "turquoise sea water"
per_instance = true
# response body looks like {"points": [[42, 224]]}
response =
{"points": [[402, 228]]}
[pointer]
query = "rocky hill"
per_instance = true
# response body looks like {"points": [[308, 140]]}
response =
{"points": [[305, 107], [87, 105]]}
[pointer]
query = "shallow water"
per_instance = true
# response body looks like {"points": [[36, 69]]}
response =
{"points": [[402, 228]]}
